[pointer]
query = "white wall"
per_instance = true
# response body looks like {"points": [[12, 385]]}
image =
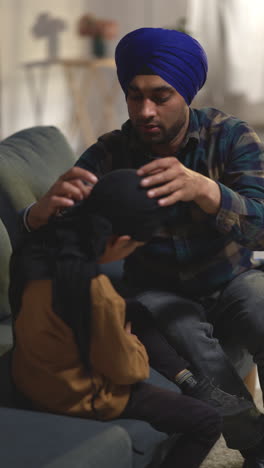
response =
{"points": [[232, 33], [19, 45]]}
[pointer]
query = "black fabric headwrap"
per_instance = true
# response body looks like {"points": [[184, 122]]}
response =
{"points": [[119, 197]]}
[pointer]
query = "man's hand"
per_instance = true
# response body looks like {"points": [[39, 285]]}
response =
{"points": [[69, 188], [178, 183]]}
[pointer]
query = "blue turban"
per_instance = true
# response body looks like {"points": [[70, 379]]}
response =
{"points": [[174, 56]]}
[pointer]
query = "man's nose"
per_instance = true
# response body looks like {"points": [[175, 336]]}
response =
{"points": [[148, 109]]}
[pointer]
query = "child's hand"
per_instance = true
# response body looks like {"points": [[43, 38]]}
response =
{"points": [[118, 248], [128, 327]]}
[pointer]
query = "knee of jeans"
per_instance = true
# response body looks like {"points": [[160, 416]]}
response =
{"points": [[212, 426], [187, 332], [242, 301]]}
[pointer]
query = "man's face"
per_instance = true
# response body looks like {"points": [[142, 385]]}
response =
{"points": [[157, 111]]}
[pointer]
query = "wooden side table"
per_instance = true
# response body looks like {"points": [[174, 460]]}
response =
{"points": [[83, 78]]}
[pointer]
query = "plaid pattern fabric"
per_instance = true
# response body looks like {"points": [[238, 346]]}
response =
{"points": [[201, 252]]}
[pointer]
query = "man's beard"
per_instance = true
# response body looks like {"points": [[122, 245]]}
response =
{"points": [[164, 137]]}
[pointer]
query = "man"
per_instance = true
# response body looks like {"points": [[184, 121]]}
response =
{"points": [[209, 167]]}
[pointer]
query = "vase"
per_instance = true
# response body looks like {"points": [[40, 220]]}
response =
{"points": [[99, 46]]}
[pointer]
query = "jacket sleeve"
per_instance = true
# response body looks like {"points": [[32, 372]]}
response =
{"points": [[242, 190], [116, 354]]}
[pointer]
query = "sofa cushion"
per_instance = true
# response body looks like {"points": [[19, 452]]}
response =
{"points": [[51, 441], [44, 437], [116, 452], [30, 162], [32, 429]]}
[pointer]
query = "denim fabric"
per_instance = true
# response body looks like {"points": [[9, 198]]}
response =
{"points": [[195, 327], [239, 313]]}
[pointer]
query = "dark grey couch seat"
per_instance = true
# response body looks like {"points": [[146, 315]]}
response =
{"points": [[43, 438], [37, 440]]}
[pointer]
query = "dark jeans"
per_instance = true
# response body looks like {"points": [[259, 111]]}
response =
{"points": [[198, 425], [194, 327], [162, 356]]}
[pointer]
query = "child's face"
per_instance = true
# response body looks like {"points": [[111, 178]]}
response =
{"points": [[118, 248]]}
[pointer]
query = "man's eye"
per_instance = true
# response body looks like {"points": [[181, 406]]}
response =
{"points": [[161, 99]]}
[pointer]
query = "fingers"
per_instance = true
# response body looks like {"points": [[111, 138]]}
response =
{"points": [[169, 181], [76, 183], [56, 203], [124, 238], [167, 194], [128, 327], [79, 173], [160, 179], [118, 248], [171, 199], [72, 186], [159, 171], [165, 189], [73, 189], [157, 165]]}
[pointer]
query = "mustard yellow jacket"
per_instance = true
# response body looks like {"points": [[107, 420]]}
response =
{"points": [[46, 364]]}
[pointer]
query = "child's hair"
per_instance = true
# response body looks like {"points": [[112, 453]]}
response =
{"points": [[66, 250]]}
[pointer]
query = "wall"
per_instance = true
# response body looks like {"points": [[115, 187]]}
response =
{"points": [[26, 26], [42, 97], [232, 33]]}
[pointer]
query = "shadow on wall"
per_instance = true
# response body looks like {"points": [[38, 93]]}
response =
{"points": [[50, 28]]}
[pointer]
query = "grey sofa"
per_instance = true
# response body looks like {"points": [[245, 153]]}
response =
{"points": [[33, 440], [30, 161]]}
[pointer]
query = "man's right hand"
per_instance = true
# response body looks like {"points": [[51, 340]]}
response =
{"points": [[69, 188]]}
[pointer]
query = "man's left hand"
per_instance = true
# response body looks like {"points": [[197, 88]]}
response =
{"points": [[178, 183]]}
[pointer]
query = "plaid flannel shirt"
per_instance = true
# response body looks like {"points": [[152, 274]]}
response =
{"points": [[199, 253]]}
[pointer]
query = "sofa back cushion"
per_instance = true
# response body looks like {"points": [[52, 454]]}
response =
{"points": [[30, 162]]}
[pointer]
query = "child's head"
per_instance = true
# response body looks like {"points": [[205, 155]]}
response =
{"points": [[119, 197], [116, 218], [117, 214]]}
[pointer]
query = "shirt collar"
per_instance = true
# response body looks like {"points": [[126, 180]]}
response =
{"points": [[192, 136]]}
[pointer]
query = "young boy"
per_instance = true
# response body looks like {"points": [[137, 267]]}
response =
{"points": [[75, 351]]}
